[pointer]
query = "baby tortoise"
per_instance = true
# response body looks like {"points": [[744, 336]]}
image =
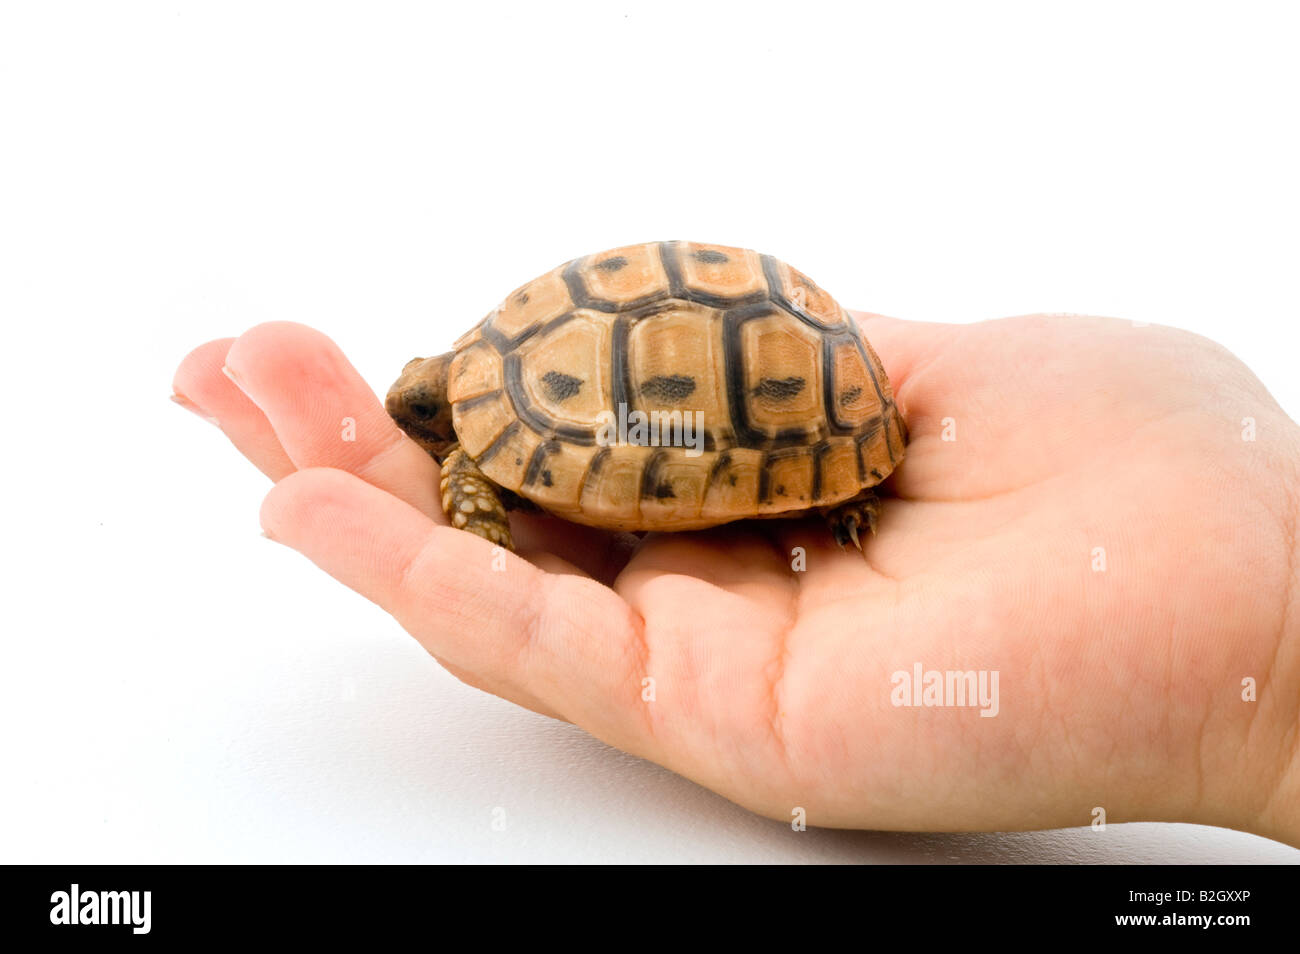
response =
{"points": [[765, 399]]}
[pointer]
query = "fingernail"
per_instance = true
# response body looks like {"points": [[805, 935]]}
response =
{"points": [[193, 408], [231, 374]]}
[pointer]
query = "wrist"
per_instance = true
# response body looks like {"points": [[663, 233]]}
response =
{"points": [[1282, 815], [1279, 698], [1244, 664]]}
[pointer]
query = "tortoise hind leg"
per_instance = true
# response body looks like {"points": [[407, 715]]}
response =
{"points": [[862, 512], [471, 501]]}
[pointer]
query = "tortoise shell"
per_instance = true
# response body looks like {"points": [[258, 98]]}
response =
{"points": [[797, 412]]}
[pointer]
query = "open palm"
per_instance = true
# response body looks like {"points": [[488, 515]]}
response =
{"points": [[1077, 511]]}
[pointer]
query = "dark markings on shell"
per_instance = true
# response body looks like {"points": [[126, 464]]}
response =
{"points": [[870, 429], [535, 462], [819, 452], [478, 399], [886, 406], [560, 386], [499, 442], [583, 298], [739, 310], [673, 269], [862, 446], [790, 437], [721, 467], [593, 468], [664, 491], [892, 416], [546, 478], [838, 426], [649, 311], [733, 360], [771, 270], [738, 430], [669, 253], [651, 478], [669, 387], [779, 389], [733, 357], [538, 420], [504, 344], [765, 470], [620, 375]]}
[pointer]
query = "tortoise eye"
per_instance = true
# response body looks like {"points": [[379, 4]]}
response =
{"points": [[423, 409]]}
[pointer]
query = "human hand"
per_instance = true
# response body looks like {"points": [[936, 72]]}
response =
{"points": [[1120, 668]]}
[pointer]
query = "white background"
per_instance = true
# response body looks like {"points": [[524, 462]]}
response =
{"points": [[174, 687]]}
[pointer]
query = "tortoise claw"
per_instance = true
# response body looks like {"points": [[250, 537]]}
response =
{"points": [[851, 515]]}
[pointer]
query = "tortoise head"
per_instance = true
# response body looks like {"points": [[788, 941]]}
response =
{"points": [[417, 401]]}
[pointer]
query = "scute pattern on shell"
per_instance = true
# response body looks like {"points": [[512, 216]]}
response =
{"points": [[796, 407]]}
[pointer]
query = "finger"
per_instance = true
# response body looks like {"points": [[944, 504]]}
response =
{"points": [[200, 383], [587, 550], [222, 402], [325, 414], [561, 644]]}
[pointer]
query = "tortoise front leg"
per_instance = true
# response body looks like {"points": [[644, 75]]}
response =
{"points": [[471, 501], [863, 511]]}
